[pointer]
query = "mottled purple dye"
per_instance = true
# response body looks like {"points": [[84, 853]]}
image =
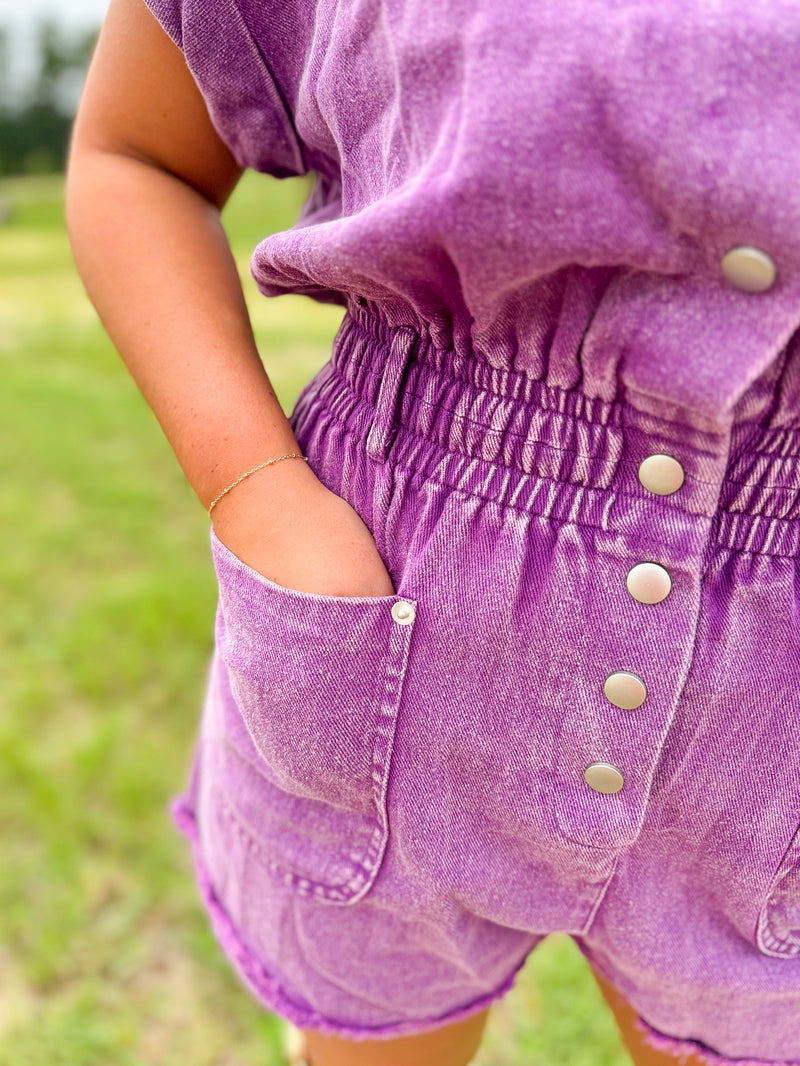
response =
{"points": [[524, 207]]}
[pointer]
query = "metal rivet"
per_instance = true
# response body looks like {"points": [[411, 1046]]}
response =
{"points": [[748, 269], [604, 777], [661, 474], [648, 582], [403, 612], [625, 690]]}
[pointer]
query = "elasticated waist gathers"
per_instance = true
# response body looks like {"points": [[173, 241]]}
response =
{"points": [[576, 713], [560, 454]]}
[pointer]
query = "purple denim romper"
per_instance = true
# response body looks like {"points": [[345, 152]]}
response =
{"points": [[565, 398]]}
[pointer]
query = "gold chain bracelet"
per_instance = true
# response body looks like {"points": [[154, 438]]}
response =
{"points": [[247, 474]]}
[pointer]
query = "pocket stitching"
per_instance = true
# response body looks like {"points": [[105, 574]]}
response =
{"points": [[768, 943], [370, 857], [348, 892]]}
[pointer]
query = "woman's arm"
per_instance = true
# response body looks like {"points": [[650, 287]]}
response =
{"points": [[147, 178]]}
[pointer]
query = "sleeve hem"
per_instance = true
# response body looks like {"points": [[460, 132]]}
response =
{"points": [[167, 13]]}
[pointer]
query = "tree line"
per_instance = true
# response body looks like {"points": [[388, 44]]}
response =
{"points": [[35, 118]]}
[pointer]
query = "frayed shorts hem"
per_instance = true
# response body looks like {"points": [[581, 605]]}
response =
{"points": [[686, 1050], [269, 992]]}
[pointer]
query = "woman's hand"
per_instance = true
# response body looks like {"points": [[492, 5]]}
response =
{"points": [[285, 524]]}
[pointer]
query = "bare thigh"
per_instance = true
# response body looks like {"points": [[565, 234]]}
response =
{"points": [[456, 1045], [632, 1036], [452, 1045]]}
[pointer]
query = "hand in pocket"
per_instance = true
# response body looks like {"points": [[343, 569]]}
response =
{"points": [[286, 525], [307, 687]]}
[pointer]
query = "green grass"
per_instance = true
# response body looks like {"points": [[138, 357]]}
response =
{"points": [[108, 600]]}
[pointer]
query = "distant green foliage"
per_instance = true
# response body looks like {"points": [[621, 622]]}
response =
{"points": [[35, 119]]}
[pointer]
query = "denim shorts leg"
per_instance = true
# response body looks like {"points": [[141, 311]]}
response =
{"points": [[390, 803]]}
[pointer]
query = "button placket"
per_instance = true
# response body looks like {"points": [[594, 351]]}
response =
{"points": [[648, 583], [604, 777], [625, 690], [661, 474]]}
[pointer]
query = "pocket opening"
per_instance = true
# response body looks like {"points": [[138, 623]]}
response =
{"points": [[307, 697]]}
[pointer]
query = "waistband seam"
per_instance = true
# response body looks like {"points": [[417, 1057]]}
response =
{"points": [[473, 369], [417, 475], [508, 432], [425, 368], [502, 433], [502, 442], [715, 521], [618, 421], [612, 494]]}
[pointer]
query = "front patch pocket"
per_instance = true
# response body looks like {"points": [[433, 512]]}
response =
{"points": [[778, 932], [312, 686]]}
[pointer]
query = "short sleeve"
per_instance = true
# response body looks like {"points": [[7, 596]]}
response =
{"points": [[247, 106]]}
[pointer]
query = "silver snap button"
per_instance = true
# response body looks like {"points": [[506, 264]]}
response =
{"points": [[403, 612], [624, 690], [648, 583], [748, 269], [661, 474], [604, 777]]}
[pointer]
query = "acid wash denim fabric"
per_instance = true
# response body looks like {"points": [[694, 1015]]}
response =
{"points": [[389, 807], [524, 208]]}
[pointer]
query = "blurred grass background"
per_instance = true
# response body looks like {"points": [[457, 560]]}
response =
{"points": [[108, 599]]}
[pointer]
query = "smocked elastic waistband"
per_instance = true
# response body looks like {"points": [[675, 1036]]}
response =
{"points": [[504, 436]]}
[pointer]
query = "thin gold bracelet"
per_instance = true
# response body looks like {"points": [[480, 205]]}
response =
{"points": [[247, 473]]}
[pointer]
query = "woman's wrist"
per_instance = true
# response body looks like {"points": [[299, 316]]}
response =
{"points": [[251, 473], [216, 463], [275, 491]]}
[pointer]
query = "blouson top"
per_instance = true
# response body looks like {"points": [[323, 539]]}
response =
{"points": [[551, 187]]}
